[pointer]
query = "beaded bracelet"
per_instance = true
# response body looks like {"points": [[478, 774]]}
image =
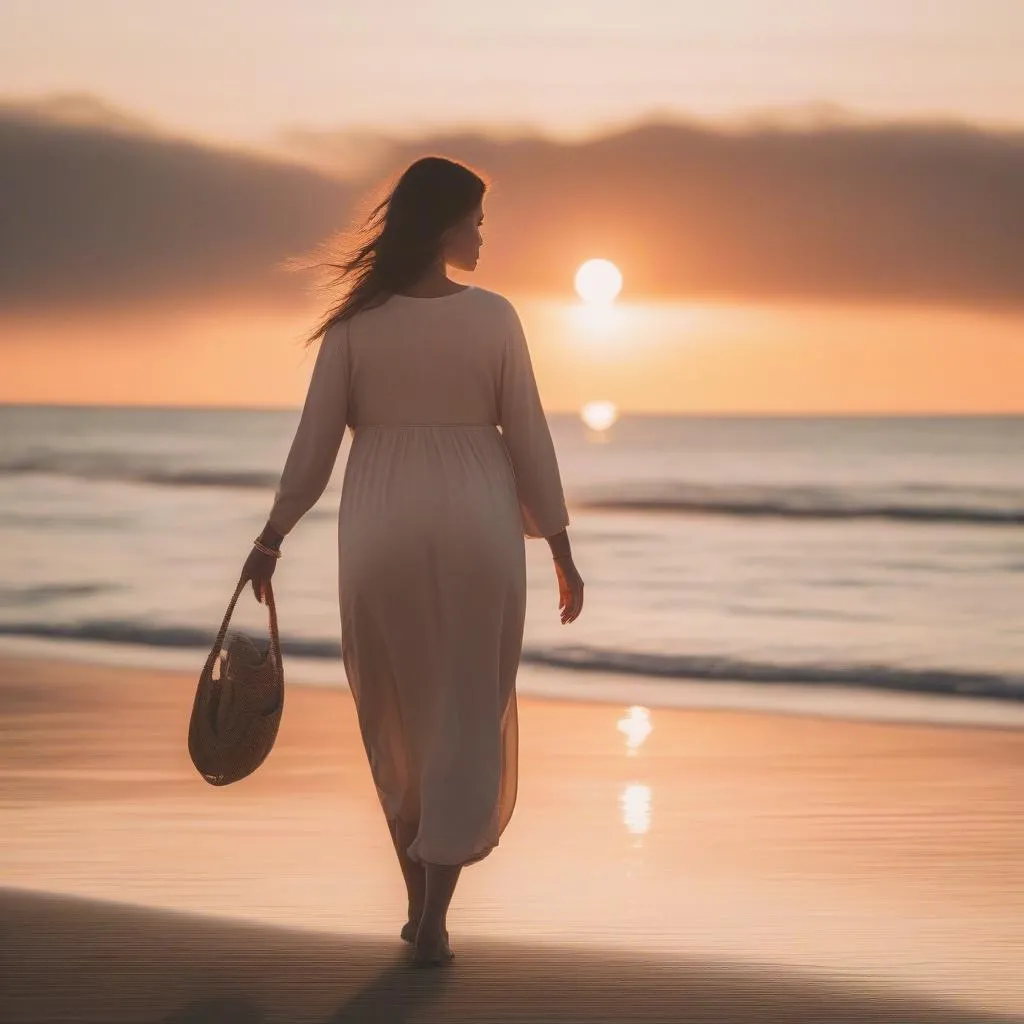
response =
{"points": [[260, 546]]}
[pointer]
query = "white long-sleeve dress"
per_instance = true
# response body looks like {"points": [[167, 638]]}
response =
{"points": [[435, 506]]}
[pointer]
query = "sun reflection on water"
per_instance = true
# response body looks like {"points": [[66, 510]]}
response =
{"points": [[635, 802], [636, 725]]}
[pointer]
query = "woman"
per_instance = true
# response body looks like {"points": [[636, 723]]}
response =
{"points": [[434, 509]]}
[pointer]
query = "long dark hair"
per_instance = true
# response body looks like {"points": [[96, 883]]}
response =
{"points": [[401, 237]]}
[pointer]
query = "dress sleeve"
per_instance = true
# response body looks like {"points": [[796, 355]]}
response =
{"points": [[320, 432], [527, 438]]}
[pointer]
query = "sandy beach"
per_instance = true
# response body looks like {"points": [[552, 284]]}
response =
{"points": [[735, 866]]}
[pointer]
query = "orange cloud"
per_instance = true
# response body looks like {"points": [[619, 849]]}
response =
{"points": [[101, 214]]}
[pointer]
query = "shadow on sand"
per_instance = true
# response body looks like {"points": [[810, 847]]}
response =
{"points": [[71, 959]]}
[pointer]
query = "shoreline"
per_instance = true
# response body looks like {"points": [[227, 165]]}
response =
{"points": [[538, 682]]}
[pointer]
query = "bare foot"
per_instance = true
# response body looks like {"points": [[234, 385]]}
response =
{"points": [[410, 928], [432, 950]]}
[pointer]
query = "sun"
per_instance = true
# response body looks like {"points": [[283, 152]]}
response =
{"points": [[598, 282], [599, 415]]}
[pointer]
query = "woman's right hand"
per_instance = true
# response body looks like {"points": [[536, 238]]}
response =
{"points": [[570, 589], [259, 568]]}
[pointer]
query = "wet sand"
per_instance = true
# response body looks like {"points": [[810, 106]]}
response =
{"points": [[736, 866]]}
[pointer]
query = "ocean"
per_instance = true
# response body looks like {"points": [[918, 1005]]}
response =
{"points": [[880, 553]]}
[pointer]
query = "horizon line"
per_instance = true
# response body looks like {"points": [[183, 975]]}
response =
{"points": [[574, 413]]}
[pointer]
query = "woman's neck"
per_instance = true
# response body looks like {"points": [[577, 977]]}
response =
{"points": [[433, 285]]}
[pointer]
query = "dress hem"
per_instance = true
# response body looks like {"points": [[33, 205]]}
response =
{"points": [[473, 859]]}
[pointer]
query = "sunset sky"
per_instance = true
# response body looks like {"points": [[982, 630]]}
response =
{"points": [[816, 206]]}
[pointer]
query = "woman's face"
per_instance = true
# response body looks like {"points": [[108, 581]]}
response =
{"points": [[462, 241]]}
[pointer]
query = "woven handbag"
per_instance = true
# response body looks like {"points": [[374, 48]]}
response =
{"points": [[235, 717]]}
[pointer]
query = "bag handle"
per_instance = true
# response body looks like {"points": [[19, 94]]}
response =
{"points": [[275, 642]]}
